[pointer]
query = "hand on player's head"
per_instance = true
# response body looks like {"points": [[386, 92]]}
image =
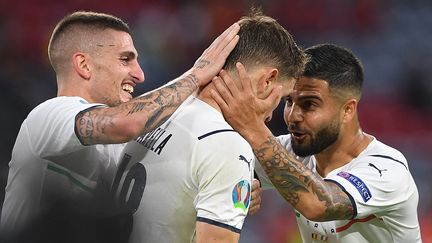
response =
{"points": [[213, 58], [239, 103]]}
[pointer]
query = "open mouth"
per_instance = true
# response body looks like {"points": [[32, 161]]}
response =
{"points": [[128, 88], [298, 135]]}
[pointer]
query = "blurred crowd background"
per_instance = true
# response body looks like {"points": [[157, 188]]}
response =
{"points": [[392, 38]]}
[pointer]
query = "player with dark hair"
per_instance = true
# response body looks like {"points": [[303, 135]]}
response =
{"points": [[208, 199], [344, 184], [68, 146]]}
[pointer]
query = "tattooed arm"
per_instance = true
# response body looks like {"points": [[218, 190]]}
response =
{"points": [[131, 119], [313, 197]]}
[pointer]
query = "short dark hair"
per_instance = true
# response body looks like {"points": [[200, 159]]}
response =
{"points": [[336, 65], [83, 20], [264, 41]]}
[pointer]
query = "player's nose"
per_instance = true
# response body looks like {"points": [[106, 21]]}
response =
{"points": [[294, 114], [137, 73]]}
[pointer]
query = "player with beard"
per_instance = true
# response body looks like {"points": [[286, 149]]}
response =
{"points": [[344, 184]]}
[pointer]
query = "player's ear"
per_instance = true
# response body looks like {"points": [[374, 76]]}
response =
{"points": [[349, 110], [267, 80], [81, 65], [272, 76]]}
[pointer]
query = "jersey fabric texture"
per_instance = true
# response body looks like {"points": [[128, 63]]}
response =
{"points": [[50, 164], [383, 193], [194, 167]]}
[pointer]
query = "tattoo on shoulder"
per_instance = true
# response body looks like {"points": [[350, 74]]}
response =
{"points": [[91, 125], [292, 178], [84, 125]]}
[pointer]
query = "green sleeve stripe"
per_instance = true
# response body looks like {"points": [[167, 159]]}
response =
{"points": [[69, 176]]}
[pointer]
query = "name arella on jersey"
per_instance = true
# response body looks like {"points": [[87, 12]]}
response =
{"points": [[155, 140]]}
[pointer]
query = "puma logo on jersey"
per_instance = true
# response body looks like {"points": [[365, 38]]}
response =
{"points": [[379, 170], [241, 157]]}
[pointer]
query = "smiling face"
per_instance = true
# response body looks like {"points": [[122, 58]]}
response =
{"points": [[313, 116], [114, 68]]}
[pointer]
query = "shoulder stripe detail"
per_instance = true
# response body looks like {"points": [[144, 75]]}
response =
{"points": [[214, 132], [349, 196], [69, 175], [219, 224], [351, 222], [388, 157]]}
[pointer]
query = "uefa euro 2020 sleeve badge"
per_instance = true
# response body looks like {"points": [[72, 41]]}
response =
{"points": [[241, 195]]}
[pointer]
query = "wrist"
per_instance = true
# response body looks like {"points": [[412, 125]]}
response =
{"points": [[255, 137], [201, 74], [191, 77]]}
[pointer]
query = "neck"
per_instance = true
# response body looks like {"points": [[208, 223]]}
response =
{"points": [[343, 151], [67, 87], [205, 96]]}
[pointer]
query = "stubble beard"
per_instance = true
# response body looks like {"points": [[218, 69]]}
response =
{"points": [[322, 140]]}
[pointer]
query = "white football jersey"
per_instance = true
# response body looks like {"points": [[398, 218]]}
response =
{"points": [[194, 167], [382, 191], [49, 162]]}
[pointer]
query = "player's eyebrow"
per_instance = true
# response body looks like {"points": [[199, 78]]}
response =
{"points": [[129, 54], [102, 45], [306, 96]]}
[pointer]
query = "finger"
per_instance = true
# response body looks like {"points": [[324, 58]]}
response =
{"points": [[273, 99], [228, 37], [256, 184], [253, 210], [246, 83], [229, 47], [222, 88], [254, 207], [229, 83], [256, 193], [216, 94], [223, 39], [255, 196]]}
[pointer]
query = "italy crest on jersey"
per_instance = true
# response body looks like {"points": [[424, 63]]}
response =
{"points": [[241, 195]]}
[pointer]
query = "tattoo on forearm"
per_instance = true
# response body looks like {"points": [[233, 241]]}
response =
{"points": [[192, 78], [163, 102], [154, 108], [292, 178], [137, 107]]}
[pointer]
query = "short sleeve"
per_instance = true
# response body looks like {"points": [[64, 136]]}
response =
{"points": [[51, 126], [224, 169], [375, 184]]}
